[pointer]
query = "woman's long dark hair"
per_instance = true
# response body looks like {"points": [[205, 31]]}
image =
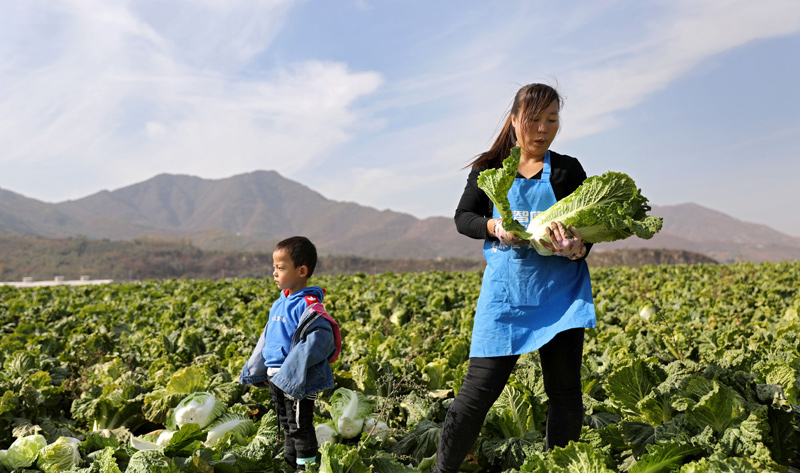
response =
{"points": [[531, 100]]}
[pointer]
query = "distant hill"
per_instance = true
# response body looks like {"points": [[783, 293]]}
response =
{"points": [[45, 258], [646, 256], [726, 239], [251, 212], [248, 212]]}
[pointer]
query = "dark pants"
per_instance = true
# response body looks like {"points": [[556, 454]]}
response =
{"points": [[485, 380], [300, 439]]}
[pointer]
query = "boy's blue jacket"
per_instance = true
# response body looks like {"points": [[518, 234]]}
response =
{"points": [[314, 344]]}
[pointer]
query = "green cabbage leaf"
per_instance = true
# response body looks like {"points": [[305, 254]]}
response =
{"points": [[349, 409], [60, 455], [604, 208], [22, 453], [199, 408], [496, 183]]}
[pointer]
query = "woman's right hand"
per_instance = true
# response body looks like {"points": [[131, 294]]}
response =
{"points": [[505, 237]]}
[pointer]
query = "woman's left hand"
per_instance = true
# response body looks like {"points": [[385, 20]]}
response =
{"points": [[565, 241]]}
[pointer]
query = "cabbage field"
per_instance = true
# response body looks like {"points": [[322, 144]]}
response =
{"points": [[691, 369]]}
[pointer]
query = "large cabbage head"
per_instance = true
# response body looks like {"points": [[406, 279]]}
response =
{"points": [[349, 409], [199, 408], [604, 208], [22, 453], [326, 432], [147, 461], [60, 455]]}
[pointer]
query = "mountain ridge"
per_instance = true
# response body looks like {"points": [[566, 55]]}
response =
{"points": [[252, 211]]}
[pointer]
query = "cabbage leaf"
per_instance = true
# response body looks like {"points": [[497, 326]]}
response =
{"points": [[349, 409], [60, 455], [496, 183], [199, 408], [22, 453], [604, 208], [239, 426]]}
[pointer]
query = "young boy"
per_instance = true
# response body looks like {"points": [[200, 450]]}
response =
{"points": [[295, 349]]}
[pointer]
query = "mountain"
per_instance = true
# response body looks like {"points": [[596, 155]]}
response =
{"points": [[726, 239], [253, 211], [245, 212], [24, 216]]}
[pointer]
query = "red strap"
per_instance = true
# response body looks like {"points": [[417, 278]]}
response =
{"points": [[337, 334]]}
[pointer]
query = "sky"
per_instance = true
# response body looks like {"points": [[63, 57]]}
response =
{"points": [[383, 103]]}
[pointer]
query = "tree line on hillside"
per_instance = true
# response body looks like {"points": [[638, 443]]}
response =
{"points": [[151, 258]]}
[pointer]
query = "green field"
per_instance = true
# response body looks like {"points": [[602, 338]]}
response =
{"points": [[691, 369]]}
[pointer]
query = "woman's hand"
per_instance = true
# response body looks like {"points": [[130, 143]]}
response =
{"points": [[506, 238], [565, 241]]}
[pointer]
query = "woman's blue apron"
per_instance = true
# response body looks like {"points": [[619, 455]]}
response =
{"points": [[526, 299]]}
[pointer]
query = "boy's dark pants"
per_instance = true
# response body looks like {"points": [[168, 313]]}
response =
{"points": [[300, 441]]}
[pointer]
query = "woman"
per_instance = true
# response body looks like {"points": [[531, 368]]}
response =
{"points": [[527, 302]]}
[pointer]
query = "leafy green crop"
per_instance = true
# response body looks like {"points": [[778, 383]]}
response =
{"points": [[496, 183], [706, 379], [603, 208]]}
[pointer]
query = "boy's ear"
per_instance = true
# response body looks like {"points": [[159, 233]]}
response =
{"points": [[303, 271]]}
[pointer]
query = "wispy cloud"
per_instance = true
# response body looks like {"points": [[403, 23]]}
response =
{"points": [[98, 94], [673, 46], [471, 85], [130, 93]]}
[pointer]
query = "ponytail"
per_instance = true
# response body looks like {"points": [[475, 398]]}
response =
{"points": [[493, 158]]}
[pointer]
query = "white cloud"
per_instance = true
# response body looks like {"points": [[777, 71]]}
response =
{"points": [[111, 93], [690, 34], [281, 124], [122, 95], [412, 169], [216, 35]]}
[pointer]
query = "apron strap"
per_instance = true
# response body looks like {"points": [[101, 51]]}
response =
{"points": [[546, 167]]}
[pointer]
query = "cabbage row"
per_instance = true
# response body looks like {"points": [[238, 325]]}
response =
{"points": [[691, 369]]}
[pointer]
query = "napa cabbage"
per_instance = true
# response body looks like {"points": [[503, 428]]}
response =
{"points": [[496, 183], [60, 455], [147, 461], [239, 426], [349, 409], [326, 432], [377, 428], [164, 437], [604, 208], [339, 458], [199, 408], [22, 453], [420, 443], [647, 312], [144, 444]]}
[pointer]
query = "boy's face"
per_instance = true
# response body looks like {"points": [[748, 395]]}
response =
{"points": [[286, 274]]}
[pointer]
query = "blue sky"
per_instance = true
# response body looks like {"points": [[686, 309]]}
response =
{"points": [[383, 102]]}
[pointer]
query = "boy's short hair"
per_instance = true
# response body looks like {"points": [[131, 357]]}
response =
{"points": [[301, 251]]}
